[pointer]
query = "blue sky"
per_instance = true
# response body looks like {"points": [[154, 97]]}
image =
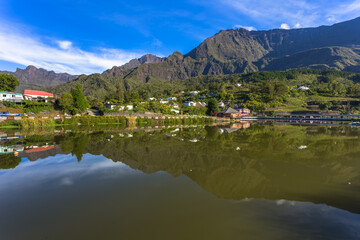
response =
{"points": [[87, 36]]}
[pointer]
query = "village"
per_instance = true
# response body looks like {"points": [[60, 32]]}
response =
{"points": [[173, 105]]}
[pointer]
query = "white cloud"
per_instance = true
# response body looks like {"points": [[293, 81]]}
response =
{"points": [[249, 28], [25, 49], [285, 26], [65, 44], [305, 12], [297, 25]]}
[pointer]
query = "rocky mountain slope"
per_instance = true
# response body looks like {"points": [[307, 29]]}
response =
{"points": [[37, 78], [148, 58], [335, 47]]}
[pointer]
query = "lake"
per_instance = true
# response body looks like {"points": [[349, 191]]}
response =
{"points": [[243, 181]]}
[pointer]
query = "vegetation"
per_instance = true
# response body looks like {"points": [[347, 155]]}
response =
{"points": [[8, 82]]}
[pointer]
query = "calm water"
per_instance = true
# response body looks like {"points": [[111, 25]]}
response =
{"points": [[264, 181]]}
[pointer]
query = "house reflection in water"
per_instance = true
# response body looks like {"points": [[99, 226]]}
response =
{"points": [[36, 149], [15, 149], [241, 125], [234, 127]]}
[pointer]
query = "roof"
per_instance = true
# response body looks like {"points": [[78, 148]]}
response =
{"points": [[38, 93], [39, 149], [229, 110], [12, 93]]}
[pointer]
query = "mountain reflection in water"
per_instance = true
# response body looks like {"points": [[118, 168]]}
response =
{"points": [[249, 164]]}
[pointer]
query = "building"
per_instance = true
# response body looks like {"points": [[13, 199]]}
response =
{"points": [[190, 104], [113, 106], [174, 105], [176, 111], [129, 107], [230, 113], [33, 95], [221, 105], [171, 98], [303, 88], [200, 104], [11, 97], [151, 99], [164, 102], [118, 107], [194, 93], [244, 111]]}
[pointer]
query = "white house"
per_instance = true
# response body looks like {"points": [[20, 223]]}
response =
{"points": [[221, 105], [303, 88], [194, 93], [129, 107], [35, 95], [164, 102], [190, 104], [174, 105], [171, 98], [151, 99], [11, 97]]}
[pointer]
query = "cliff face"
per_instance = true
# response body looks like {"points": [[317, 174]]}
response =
{"points": [[335, 47], [148, 58], [37, 78], [236, 51]]}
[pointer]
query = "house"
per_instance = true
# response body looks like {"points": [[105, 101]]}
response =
{"points": [[174, 105], [190, 104], [112, 106], [303, 88], [239, 85], [11, 97], [36, 149], [202, 97], [176, 111], [230, 113], [200, 104], [151, 99], [129, 107], [171, 98], [164, 102], [244, 111], [194, 93], [221, 105], [33, 95]]}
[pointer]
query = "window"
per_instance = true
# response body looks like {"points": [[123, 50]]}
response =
{"points": [[13, 96], [4, 95]]}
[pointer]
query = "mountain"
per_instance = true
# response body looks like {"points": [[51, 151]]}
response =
{"points": [[335, 47], [37, 78], [148, 58]]}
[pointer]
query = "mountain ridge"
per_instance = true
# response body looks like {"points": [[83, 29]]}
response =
{"points": [[37, 78]]}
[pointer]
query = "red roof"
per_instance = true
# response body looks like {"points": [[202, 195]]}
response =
{"points": [[39, 149], [38, 93]]}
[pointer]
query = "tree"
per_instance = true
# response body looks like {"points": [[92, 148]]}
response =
{"points": [[120, 92], [8, 82], [66, 102], [212, 107], [80, 101]]}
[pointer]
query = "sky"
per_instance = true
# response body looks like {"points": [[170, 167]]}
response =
{"points": [[90, 36]]}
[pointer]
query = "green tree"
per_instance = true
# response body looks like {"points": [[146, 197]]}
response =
{"points": [[212, 107], [66, 102], [80, 101], [8, 82]]}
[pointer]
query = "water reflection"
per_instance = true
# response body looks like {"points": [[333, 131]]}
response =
{"points": [[275, 174]]}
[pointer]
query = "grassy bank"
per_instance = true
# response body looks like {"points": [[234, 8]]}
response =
{"points": [[27, 123]]}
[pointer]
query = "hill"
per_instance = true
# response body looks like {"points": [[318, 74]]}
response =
{"points": [[335, 47], [37, 78]]}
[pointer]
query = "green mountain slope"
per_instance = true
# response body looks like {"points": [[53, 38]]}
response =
{"points": [[335, 47]]}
